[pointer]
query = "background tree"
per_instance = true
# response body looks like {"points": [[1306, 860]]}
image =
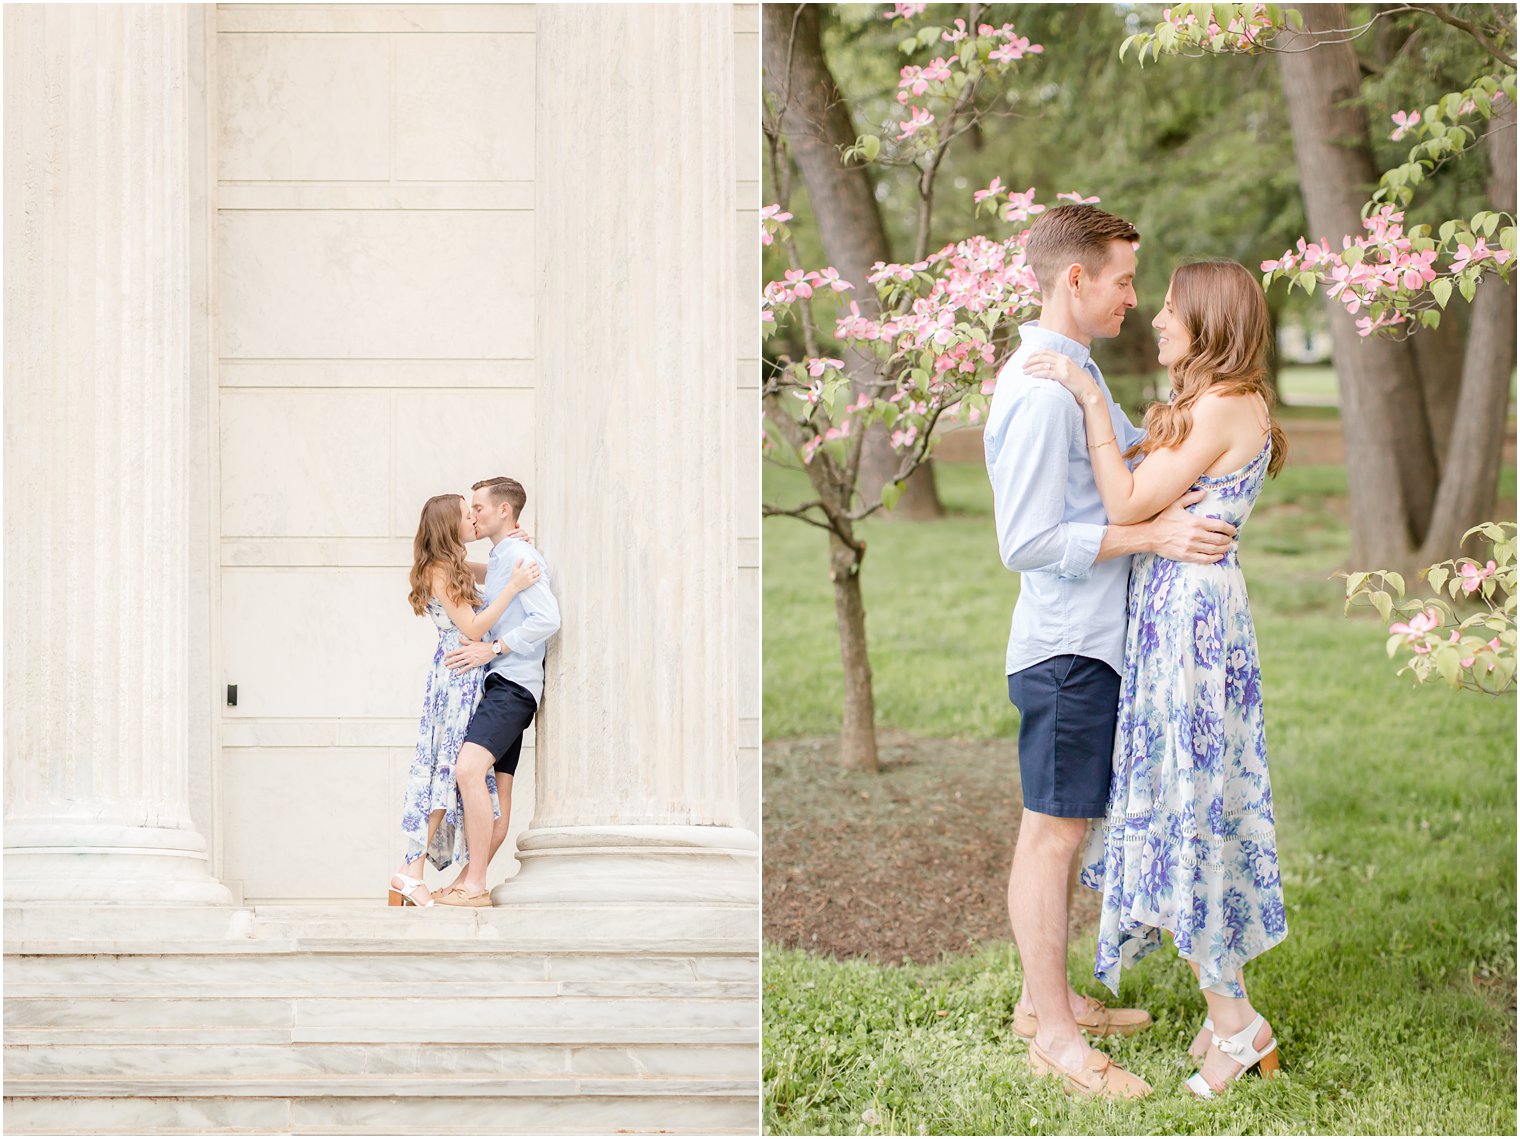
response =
{"points": [[1419, 476]]}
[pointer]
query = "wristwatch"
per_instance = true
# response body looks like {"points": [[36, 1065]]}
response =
{"points": [[496, 648]]}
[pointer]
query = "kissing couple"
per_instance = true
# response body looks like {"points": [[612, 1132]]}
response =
{"points": [[487, 678], [1132, 655]]}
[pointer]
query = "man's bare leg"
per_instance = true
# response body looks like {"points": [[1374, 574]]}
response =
{"points": [[503, 821], [1037, 909], [470, 774]]}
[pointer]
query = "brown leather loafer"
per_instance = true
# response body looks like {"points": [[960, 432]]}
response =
{"points": [[1097, 1020], [1099, 1077]]}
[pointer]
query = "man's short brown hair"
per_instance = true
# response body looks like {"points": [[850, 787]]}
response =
{"points": [[1072, 233], [505, 490]]}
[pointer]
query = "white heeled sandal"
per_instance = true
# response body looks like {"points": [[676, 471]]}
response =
{"points": [[403, 896], [1240, 1048], [1208, 1026]]}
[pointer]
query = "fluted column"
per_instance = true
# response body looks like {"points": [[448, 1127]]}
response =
{"points": [[96, 458], [636, 779]]}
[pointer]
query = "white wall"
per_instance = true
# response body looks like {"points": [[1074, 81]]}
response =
{"points": [[374, 314]]}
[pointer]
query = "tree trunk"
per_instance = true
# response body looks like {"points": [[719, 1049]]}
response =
{"points": [[1390, 458], [857, 741], [1470, 482], [816, 123], [1439, 353]]}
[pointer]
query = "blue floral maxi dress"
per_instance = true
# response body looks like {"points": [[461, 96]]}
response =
{"points": [[447, 705], [1188, 843]]}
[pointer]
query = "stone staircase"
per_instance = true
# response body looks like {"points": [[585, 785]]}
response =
{"points": [[367, 1020]]}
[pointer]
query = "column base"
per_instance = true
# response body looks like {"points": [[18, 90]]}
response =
{"points": [[649, 881], [98, 862]]}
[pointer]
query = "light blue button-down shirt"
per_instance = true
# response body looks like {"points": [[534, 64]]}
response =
{"points": [[530, 619], [1050, 519]]}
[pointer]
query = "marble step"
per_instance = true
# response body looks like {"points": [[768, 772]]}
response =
{"points": [[349, 963], [34, 926], [733, 1058], [388, 1114], [380, 989], [370, 1011], [473, 1034]]}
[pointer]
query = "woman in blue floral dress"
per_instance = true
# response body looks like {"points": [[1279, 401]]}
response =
{"points": [[443, 585], [1188, 843]]}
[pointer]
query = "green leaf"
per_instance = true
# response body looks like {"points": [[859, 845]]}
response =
{"points": [[870, 146], [1437, 576], [1396, 580], [1441, 289], [1449, 665], [1490, 223], [1447, 229], [890, 494], [1430, 318], [1384, 604], [1296, 19], [1468, 287]]}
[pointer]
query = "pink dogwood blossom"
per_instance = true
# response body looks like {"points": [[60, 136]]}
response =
{"points": [[915, 123]]}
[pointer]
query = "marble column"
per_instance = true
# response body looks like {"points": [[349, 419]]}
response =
{"points": [[97, 535], [636, 799]]}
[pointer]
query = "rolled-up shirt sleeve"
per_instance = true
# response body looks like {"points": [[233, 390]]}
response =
{"points": [[540, 621], [1029, 490]]}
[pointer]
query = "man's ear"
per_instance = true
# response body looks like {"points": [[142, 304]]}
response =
{"points": [[1074, 276]]}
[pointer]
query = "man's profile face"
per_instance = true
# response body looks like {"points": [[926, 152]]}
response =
{"points": [[1102, 298], [489, 517]]}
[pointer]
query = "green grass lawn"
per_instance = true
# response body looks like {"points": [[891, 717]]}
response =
{"points": [[1394, 994]]}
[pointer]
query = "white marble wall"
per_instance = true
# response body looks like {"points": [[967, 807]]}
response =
{"points": [[374, 294]]}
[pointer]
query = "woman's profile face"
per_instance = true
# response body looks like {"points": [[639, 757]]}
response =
{"points": [[466, 523], [1172, 339]]}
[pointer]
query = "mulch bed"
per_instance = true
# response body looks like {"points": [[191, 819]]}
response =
{"points": [[905, 865]]}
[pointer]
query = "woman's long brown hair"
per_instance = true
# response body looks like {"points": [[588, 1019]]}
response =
{"points": [[437, 545], [1221, 305]]}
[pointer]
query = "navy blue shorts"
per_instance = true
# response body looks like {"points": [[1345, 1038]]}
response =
{"points": [[505, 710], [1068, 709]]}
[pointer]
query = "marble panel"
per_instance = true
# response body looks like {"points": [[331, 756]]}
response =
{"points": [[375, 196], [303, 106], [746, 413], [448, 440], [747, 138], [465, 108], [376, 284], [336, 804], [482, 375], [305, 463], [411, 18], [323, 643], [747, 293]]}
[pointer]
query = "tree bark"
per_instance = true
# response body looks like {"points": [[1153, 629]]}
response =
{"points": [[816, 123], [1439, 354], [858, 731], [1390, 457], [1470, 482]]}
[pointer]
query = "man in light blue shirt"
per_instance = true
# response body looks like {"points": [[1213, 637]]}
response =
{"points": [[1066, 644], [514, 684]]}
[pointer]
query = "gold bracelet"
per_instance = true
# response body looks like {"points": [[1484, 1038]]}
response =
{"points": [[1111, 439]]}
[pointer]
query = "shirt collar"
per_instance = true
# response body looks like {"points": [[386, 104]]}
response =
{"points": [[1033, 336], [500, 547]]}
